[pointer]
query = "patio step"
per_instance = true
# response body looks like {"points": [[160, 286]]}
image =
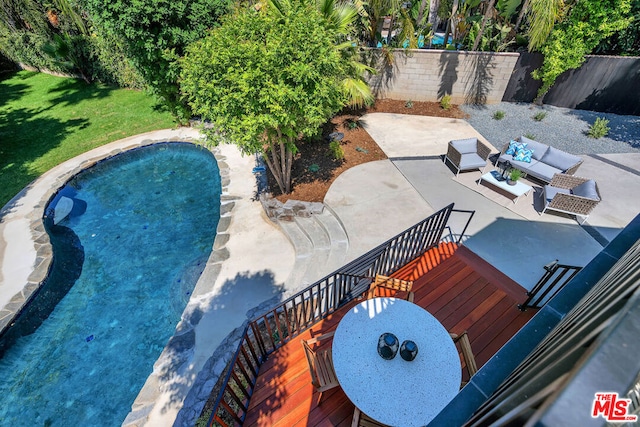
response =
{"points": [[337, 236], [320, 243]]}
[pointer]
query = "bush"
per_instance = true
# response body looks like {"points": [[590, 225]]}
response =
{"points": [[353, 124], [539, 116], [336, 150], [499, 115], [599, 128], [408, 104], [530, 136], [445, 102]]}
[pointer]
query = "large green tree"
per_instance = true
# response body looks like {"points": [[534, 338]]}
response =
{"points": [[267, 79], [588, 22], [155, 34]]}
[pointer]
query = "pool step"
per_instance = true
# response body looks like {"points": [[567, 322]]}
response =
{"points": [[320, 243]]}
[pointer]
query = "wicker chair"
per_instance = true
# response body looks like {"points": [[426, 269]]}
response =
{"points": [[323, 376], [389, 286], [571, 194], [467, 154], [467, 354]]}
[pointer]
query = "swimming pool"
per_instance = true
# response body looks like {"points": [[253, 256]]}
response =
{"points": [[140, 230]]}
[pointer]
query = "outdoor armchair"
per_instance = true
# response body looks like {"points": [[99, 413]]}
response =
{"points": [[572, 195], [467, 154]]}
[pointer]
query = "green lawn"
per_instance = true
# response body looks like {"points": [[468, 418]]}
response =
{"points": [[45, 120]]}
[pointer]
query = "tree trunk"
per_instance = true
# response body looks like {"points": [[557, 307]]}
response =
{"points": [[272, 162], [433, 14], [423, 6], [454, 10], [279, 159], [484, 23], [523, 11]]}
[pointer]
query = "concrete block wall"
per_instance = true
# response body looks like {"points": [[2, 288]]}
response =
{"points": [[427, 75]]}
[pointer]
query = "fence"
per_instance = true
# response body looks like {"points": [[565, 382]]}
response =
{"points": [[603, 83], [273, 329]]}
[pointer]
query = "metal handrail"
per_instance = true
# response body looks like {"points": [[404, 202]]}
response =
{"points": [[266, 333], [546, 288]]}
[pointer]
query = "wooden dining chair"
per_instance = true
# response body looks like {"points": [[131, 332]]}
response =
{"points": [[467, 354], [388, 286], [323, 376], [360, 419]]}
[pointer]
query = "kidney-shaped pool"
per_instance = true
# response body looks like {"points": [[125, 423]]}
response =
{"points": [[130, 237]]}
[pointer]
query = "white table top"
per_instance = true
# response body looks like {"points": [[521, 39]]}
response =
{"points": [[518, 189], [396, 392]]}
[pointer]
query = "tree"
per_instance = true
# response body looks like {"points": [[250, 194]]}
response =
{"points": [[155, 34], [341, 18], [588, 22], [267, 79]]}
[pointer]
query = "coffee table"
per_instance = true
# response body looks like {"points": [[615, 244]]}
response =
{"points": [[518, 190], [396, 392]]}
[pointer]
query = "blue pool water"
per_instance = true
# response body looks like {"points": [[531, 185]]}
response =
{"points": [[138, 237]]}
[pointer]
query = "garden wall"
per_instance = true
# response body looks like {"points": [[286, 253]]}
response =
{"points": [[608, 84], [427, 75]]}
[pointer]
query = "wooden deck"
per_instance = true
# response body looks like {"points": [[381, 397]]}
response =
{"points": [[460, 289]]}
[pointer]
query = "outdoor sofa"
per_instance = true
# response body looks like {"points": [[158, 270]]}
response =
{"points": [[537, 159]]}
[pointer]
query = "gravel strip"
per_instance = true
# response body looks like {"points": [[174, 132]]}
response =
{"points": [[562, 128]]}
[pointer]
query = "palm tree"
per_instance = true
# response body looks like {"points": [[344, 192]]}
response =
{"points": [[342, 17], [543, 15]]}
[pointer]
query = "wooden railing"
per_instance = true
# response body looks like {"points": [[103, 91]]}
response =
{"points": [[273, 329], [556, 276]]}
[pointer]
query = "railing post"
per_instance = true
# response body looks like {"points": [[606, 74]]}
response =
{"points": [[546, 289]]}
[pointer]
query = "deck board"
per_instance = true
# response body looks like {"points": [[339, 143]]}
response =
{"points": [[461, 290]]}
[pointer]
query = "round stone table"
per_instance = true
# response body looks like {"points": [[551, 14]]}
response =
{"points": [[396, 392]]}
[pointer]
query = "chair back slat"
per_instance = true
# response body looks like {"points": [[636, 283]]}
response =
{"points": [[383, 286]]}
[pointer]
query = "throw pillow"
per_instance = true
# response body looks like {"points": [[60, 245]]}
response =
{"points": [[586, 189], [523, 155], [514, 146]]}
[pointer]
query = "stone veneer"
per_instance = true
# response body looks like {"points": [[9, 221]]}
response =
{"points": [[427, 75]]}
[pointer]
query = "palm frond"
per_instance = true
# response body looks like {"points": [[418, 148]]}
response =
{"points": [[343, 16], [542, 18], [281, 6], [358, 92]]}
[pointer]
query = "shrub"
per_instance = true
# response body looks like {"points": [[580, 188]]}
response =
{"points": [[336, 150], [539, 116], [445, 102], [529, 135], [599, 128], [409, 104], [353, 124], [499, 115]]}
